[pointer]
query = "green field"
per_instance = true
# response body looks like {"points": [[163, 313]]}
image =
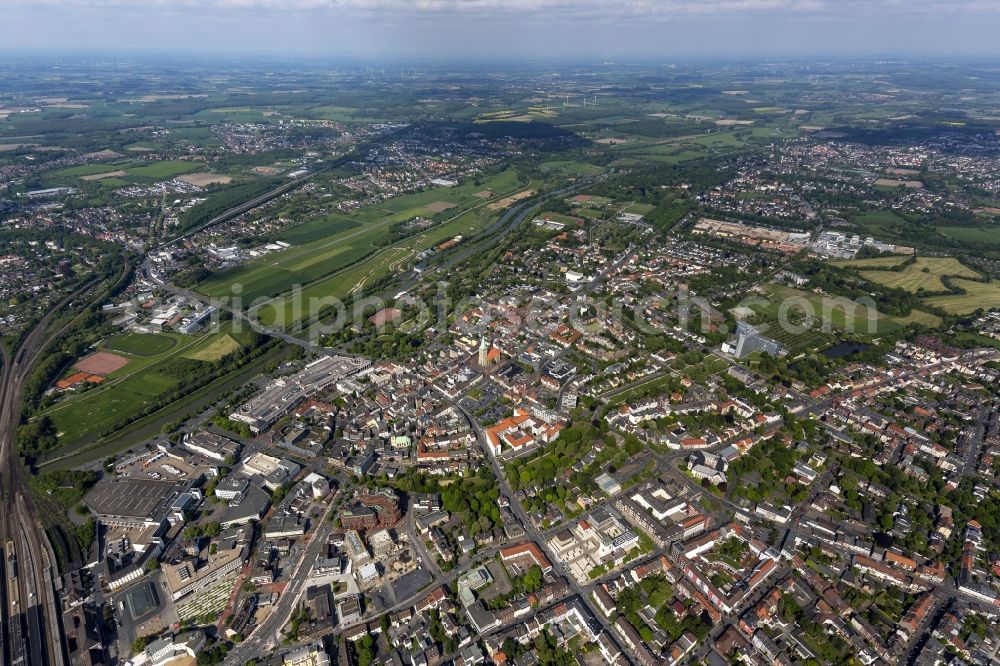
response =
{"points": [[221, 346], [315, 259], [922, 275], [876, 221], [872, 262], [590, 213], [926, 274], [558, 217], [94, 448], [85, 170], [973, 235], [977, 295], [571, 167], [163, 170], [639, 208], [135, 172], [841, 313], [127, 391], [285, 312], [319, 229], [920, 317], [141, 344]]}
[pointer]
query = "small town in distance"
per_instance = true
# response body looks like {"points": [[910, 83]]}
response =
{"points": [[659, 359]]}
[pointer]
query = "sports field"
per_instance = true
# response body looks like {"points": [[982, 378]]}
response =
{"points": [[559, 217], [141, 344], [101, 363], [130, 389]]}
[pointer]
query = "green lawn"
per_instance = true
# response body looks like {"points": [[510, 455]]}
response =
{"points": [[141, 344], [984, 295], [82, 417], [315, 259], [84, 170], [841, 313], [165, 169], [973, 235], [639, 208], [571, 167], [871, 262], [923, 274], [284, 312], [324, 227], [558, 217], [221, 345], [874, 221]]}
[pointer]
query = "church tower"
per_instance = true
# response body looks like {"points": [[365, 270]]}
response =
{"points": [[484, 350]]}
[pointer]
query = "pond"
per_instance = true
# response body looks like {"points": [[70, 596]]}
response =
{"points": [[844, 349]]}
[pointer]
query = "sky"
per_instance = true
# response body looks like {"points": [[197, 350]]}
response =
{"points": [[509, 29]]}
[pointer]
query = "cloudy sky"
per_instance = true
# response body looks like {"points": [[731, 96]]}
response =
{"points": [[478, 29]]}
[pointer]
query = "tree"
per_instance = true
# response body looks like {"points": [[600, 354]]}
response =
{"points": [[139, 644]]}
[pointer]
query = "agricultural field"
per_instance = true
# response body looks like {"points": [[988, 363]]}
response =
{"points": [[871, 262], [925, 275]]}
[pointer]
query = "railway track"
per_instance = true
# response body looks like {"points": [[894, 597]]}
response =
{"points": [[32, 632]]}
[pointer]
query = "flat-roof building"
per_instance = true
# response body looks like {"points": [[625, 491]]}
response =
{"points": [[210, 445], [139, 502], [282, 394]]}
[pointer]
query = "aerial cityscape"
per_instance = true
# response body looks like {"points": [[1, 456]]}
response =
{"points": [[418, 353]]}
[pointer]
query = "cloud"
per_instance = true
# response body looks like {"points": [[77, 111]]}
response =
{"points": [[550, 10], [466, 28], [554, 8]]}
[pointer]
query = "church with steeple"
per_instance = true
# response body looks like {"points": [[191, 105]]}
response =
{"points": [[488, 354]]}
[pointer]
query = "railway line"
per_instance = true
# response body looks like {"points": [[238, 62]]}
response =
{"points": [[32, 634]]}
